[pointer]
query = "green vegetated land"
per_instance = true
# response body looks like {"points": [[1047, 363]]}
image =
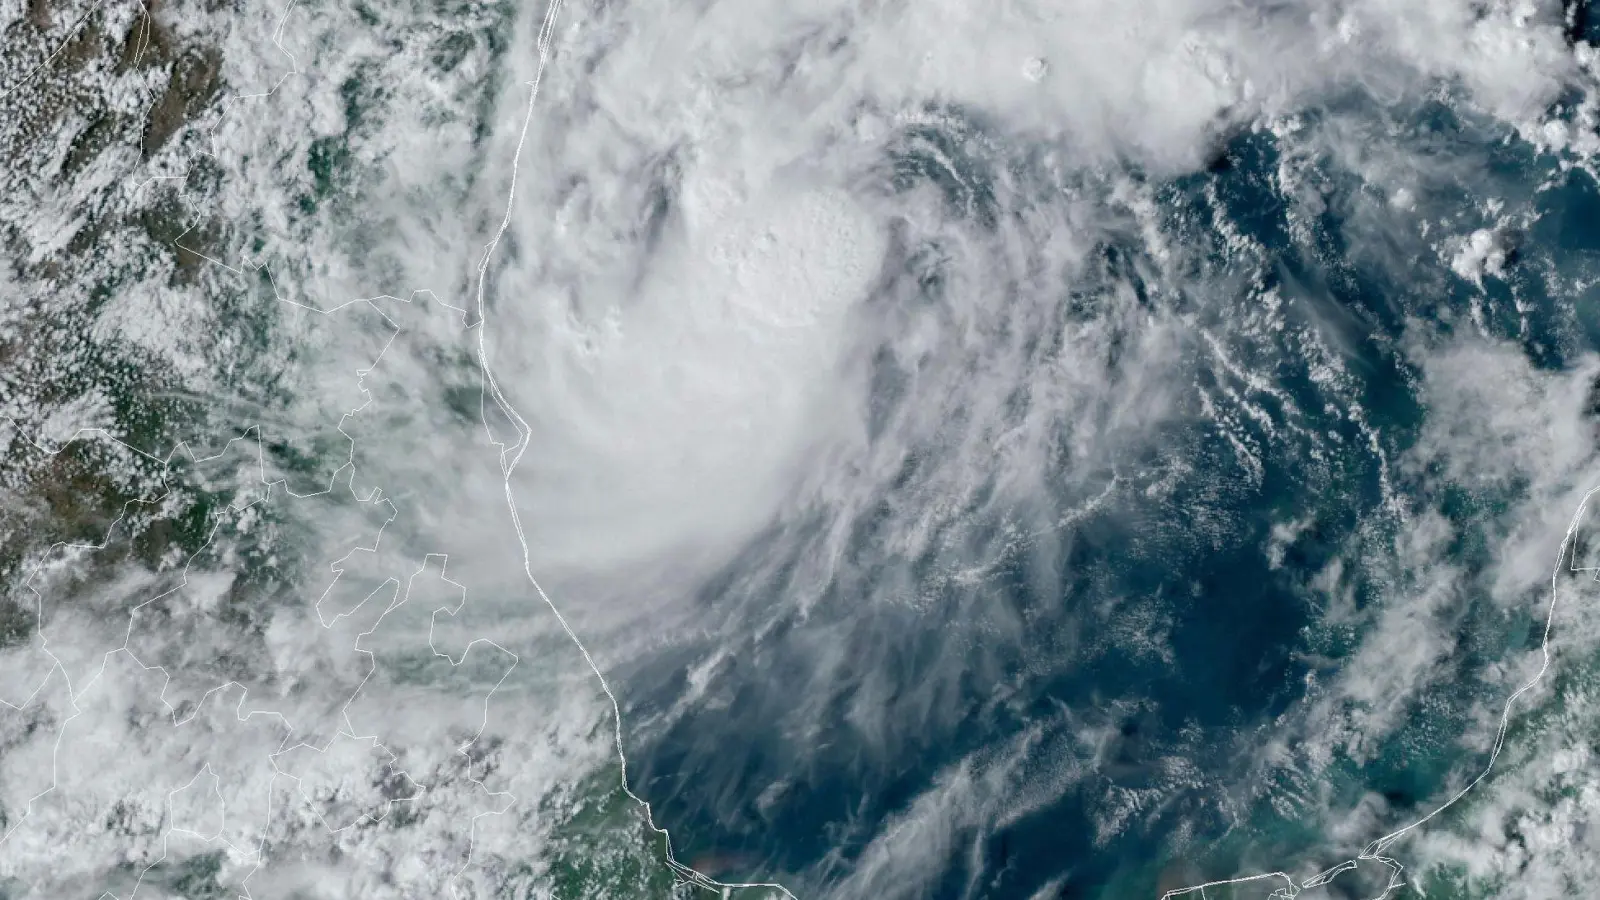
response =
{"points": [[603, 847], [144, 257]]}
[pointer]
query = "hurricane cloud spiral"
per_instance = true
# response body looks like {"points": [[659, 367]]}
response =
{"points": [[1074, 449]]}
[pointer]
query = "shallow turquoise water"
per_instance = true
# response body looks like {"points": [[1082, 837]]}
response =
{"points": [[1115, 765]]}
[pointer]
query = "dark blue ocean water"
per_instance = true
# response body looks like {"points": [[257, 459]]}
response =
{"points": [[1070, 720]]}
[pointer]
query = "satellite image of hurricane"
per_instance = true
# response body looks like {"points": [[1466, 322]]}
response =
{"points": [[800, 449]]}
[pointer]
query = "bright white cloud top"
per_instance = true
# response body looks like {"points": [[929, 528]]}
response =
{"points": [[952, 450]]}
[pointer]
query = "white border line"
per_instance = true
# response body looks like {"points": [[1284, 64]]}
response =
{"points": [[1375, 850], [511, 455], [256, 857]]}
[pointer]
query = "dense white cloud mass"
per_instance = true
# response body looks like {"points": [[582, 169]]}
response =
{"points": [[836, 327], [686, 165], [926, 409]]}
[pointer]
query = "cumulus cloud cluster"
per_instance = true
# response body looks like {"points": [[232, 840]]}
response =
{"points": [[833, 323], [790, 279], [707, 226]]}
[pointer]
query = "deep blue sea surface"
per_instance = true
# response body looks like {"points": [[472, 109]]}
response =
{"points": [[1093, 711]]}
